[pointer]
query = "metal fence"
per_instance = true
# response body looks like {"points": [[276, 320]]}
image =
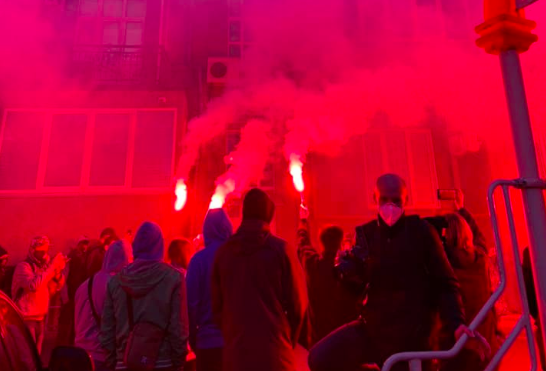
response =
{"points": [[119, 65]]}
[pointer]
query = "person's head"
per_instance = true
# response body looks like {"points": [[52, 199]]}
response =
{"points": [[148, 243], [83, 243], [331, 239], [180, 252], [117, 257], [108, 236], [217, 228], [39, 248], [458, 233], [391, 195], [4, 256], [258, 206]]}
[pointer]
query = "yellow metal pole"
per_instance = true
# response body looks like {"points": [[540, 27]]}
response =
{"points": [[507, 33]]}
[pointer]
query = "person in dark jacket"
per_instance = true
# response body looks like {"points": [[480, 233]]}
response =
{"points": [[205, 336], [407, 277], [258, 293], [97, 249], [331, 304], [470, 265], [158, 295], [180, 252], [77, 274]]}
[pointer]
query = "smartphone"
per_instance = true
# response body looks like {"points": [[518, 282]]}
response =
{"points": [[447, 194]]}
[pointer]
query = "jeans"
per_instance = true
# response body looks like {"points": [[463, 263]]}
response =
{"points": [[350, 347], [36, 329], [209, 359]]}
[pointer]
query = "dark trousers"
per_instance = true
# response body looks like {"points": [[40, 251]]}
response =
{"points": [[36, 329], [209, 359], [348, 349]]}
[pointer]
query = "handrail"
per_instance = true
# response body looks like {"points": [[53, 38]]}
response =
{"points": [[415, 358]]}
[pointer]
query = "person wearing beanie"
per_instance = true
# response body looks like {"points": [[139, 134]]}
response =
{"points": [[259, 297], [157, 292]]}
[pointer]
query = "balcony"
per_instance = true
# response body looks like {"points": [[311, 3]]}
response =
{"points": [[107, 66]]}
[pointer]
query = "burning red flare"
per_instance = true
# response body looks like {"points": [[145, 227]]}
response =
{"points": [[296, 170], [181, 192], [222, 191]]}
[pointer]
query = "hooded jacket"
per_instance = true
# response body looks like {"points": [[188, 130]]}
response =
{"points": [[204, 333], [158, 292], [87, 327], [259, 297], [33, 281]]}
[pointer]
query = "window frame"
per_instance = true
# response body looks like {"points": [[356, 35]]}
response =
{"points": [[99, 20], [84, 187], [411, 165]]}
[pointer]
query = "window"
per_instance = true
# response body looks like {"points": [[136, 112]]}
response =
{"points": [[81, 151], [111, 22], [408, 153], [239, 35]]}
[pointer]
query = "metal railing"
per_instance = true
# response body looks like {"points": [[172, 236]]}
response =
{"points": [[415, 358], [119, 65]]}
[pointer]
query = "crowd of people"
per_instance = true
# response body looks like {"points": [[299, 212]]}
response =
{"points": [[244, 300]]}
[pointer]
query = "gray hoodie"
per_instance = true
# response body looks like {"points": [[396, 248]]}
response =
{"points": [[158, 292]]}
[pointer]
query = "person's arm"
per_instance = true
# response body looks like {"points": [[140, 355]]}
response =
{"points": [[107, 335], [193, 286], [307, 254], [178, 331], [443, 278], [26, 278], [295, 293]]}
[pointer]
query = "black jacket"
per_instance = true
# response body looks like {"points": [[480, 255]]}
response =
{"points": [[410, 279]]}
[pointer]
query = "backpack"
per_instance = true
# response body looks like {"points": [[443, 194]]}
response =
{"points": [[143, 344]]}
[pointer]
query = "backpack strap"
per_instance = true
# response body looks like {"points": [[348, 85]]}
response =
{"points": [[90, 295], [130, 315]]}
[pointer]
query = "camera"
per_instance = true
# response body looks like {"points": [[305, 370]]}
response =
{"points": [[351, 268]]}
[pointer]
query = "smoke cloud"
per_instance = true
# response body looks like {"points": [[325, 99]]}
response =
{"points": [[246, 162], [323, 71]]}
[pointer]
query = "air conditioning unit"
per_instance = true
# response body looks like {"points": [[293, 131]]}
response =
{"points": [[223, 70]]}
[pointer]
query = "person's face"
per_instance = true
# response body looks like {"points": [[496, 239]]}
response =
{"points": [[40, 252], [391, 194]]}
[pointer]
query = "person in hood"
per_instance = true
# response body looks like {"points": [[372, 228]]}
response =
{"points": [[406, 276], [35, 279], [89, 303], [259, 297], [158, 295], [331, 304], [180, 253], [205, 336], [94, 255]]}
